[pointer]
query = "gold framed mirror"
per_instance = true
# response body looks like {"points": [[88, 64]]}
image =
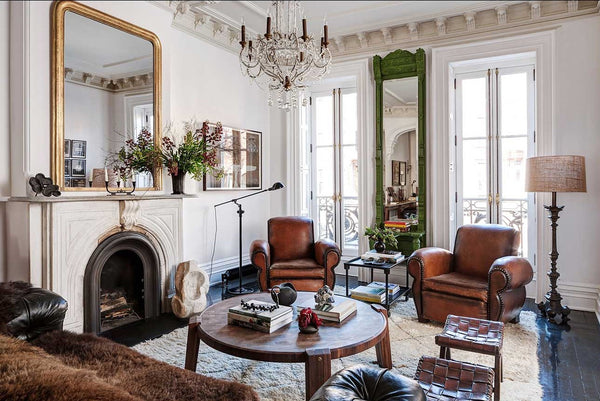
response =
{"points": [[105, 89]]}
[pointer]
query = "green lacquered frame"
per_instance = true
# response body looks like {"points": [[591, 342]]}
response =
{"points": [[401, 64]]}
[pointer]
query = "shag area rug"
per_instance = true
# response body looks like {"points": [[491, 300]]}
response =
{"points": [[409, 340]]}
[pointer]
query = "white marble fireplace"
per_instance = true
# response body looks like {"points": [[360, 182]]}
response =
{"points": [[51, 240]]}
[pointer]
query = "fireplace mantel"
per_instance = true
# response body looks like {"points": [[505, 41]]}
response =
{"points": [[50, 240]]}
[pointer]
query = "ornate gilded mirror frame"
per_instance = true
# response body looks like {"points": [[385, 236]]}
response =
{"points": [[401, 64], [57, 38]]}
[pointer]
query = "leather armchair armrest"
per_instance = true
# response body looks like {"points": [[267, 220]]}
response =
{"points": [[260, 257], [429, 262], [510, 272], [327, 253]]}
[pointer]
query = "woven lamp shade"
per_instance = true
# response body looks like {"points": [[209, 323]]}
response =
{"points": [[555, 174]]}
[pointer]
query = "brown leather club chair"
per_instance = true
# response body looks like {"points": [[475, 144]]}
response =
{"points": [[482, 278], [291, 255]]}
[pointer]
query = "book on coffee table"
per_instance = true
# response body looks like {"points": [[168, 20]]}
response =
{"points": [[264, 315], [338, 313], [257, 324]]}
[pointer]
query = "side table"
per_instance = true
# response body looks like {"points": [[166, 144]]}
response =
{"points": [[386, 267]]}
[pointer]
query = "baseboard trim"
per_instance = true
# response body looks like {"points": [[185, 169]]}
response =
{"points": [[581, 296], [219, 266]]}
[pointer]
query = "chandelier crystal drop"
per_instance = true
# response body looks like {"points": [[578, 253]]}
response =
{"points": [[282, 61]]}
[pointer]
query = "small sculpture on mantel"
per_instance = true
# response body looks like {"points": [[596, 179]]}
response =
{"points": [[40, 184], [324, 299], [191, 286]]}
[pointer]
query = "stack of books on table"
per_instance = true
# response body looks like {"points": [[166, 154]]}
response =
{"points": [[265, 321], [387, 256], [338, 313], [393, 288], [400, 225], [368, 294]]}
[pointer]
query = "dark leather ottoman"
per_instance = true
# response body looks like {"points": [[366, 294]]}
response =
{"points": [[363, 382]]}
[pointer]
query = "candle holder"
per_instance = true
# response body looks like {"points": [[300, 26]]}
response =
{"points": [[119, 191]]}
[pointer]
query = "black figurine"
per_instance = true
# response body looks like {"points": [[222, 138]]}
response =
{"points": [[40, 184]]}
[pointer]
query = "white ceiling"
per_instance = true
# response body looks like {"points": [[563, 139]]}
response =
{"points": [[96, 48], [400, 92], [343, 17]]}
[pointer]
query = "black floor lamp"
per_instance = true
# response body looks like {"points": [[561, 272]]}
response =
{"points": [[241, 290], [555, 174]]}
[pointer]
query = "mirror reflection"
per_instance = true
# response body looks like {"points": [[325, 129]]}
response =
{"points": [[400, 126], [108, 98]]}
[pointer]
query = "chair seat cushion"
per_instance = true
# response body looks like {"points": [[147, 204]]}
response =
{"points": [[458, 284], [298, 268]]}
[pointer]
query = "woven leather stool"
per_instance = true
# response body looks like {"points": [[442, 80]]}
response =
{"points": [[475, 335], [446, 380]]}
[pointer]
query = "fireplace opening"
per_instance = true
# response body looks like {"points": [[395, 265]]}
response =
{"points": [[121, 283]]}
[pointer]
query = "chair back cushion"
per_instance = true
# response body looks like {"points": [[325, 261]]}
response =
{"points": [[291, 238], [477, 246]]}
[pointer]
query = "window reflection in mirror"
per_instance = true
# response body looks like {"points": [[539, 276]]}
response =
{"points": [[108, 95], [400, 127]]}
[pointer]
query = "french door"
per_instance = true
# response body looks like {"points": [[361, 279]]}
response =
{"points": [[332, 154], [495, 133]]}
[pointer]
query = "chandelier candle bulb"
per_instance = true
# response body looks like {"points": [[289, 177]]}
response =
{"points": [[304, 30], [243, 41], [268, 34], [326, 36]]}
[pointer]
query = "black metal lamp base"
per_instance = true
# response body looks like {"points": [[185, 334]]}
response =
{"points": [[552, 308], [240, 291]]}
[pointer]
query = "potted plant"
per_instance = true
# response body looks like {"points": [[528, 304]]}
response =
{"points": [[381, 237], [195, 154]]}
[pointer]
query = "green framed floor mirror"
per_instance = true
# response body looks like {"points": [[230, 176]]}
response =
{"points": [[400, 144]]}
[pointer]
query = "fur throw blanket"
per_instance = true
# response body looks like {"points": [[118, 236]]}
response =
{"points": [[64, 366], [10, 293]]}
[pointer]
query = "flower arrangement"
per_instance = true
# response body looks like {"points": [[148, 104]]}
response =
{"points": [[138, 155], [308, 321]]}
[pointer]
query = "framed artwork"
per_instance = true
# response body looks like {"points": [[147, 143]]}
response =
{"points": [[77, 168], [395, 173], [239, 157], [78, 183], [67, 182], [78, 149], [67, 167], [402, 178], [67, 148]]}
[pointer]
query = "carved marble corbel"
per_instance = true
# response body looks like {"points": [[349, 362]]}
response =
{"points": [[130, 214]]}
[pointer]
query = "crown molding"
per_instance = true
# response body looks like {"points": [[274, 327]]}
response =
{"points": [[129, 83], [486, 20]]}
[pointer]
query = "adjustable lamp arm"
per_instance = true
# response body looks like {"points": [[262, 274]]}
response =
{"points": [[274, 187]]}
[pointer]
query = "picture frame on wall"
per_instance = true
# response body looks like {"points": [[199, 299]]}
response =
{"points": [[67, 148], [239, 157], [395, 173], [78, 168], [78, 183], [67, 182], [78, 149], [67, 167]]}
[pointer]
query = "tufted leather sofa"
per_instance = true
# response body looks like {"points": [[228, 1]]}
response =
{"points": [[368, 383], [483, 278], [291, 255]]}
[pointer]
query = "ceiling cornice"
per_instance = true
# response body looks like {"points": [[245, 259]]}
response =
{"points": [[198, 19]]}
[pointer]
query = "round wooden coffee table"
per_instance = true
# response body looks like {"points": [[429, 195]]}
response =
{"points": [[361, 331]]}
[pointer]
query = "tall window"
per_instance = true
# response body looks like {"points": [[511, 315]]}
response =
{"points": [[329, 170], [495, 133]]}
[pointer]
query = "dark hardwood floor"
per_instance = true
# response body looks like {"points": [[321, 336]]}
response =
{"points": [[569, 358]]}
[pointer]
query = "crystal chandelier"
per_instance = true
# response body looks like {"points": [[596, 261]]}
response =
{"points": [[281, 61]]}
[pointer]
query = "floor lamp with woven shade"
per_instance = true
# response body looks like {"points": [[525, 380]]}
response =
{"points": [[555, 174]]}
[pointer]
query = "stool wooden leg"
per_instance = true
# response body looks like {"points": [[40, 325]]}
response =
{"points": [[442, 352], [497, 376], [501, 369], [448, 356]]}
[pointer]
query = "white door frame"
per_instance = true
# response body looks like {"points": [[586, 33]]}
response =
{"points": [[441, 132]]}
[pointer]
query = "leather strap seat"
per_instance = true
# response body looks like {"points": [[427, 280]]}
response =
{"points": [[363, 382]]}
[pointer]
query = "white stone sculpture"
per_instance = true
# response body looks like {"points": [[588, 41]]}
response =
{"points": [[191, 286]]}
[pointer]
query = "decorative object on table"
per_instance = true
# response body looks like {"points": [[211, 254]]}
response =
{"points": [[308, 321], [324, 299], [555, 174], [284, 294], [382, 237], [385, 256], [78, 149], [119, 190], [241, 290], [77, 168], [40, 184], [196, 154], [282, 62], [191, 287], [337, 314], [238, 157], [67, 148], [259, 315]]}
